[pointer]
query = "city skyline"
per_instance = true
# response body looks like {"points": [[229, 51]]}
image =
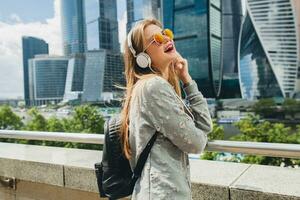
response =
{"points": [[203, 45], [18, 21]]}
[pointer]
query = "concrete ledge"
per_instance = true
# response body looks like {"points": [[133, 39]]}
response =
{"points": [[70, 172], [268, 180], [32, 171], [80, 179], [211, 179]]}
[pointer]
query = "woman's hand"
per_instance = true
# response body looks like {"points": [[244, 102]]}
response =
{"points": [[181, 69]]}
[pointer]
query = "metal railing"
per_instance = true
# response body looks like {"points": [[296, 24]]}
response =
{"points": [[254, 148]]}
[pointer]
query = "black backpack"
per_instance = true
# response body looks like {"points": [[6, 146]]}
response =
{"points": [[114, 176]]}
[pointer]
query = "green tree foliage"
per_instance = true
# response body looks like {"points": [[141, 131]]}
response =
{"points": [[37, 121], [55, 125], [265, 107], [86, 119], [291, 107], [9, 120], [253, 130]]}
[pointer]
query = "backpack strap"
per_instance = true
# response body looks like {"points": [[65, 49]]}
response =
{"points": [[143, 157]]}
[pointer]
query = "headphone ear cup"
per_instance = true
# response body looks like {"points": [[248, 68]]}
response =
{"points": [[143, 60]]}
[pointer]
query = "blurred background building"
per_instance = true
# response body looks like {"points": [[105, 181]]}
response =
{"points": [[75, 75], [31, 46], [47, 78], [103, 72], [296, 6], [269, 50], [232, 16], [73, 26], [108, 25], [197, 28], [141, 9]]}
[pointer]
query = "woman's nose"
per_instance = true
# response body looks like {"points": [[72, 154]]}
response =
{"points": [[167, 39]]}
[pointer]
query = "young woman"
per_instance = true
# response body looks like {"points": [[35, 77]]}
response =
{"points": [[153, 103]]}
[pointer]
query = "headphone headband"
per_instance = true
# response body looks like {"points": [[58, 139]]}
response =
{"points": [[129, 41]]}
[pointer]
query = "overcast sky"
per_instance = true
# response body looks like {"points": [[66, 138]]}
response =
{"points": [[34, 18]]}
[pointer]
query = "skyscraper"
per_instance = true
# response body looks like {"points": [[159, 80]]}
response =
{"points": [[108, 25], [197, 27], [232, 16], [74, 78], [31, 46], [256, 76], [92, 27], [296, 6], [47, 78], [269, 53], [103, 71], [141, 9], [94, 70], [73, 26]]}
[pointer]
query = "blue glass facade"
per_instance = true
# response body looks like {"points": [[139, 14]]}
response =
{"points": [[275, 25], [232, 17], [108, 25], [31, 46], [94, 70], [257, 79], [107, 68], [47, 79], [78, 72], [197, 29], [141, 9], [215, 43], [92, 27], [73, 26], [113, 74]]}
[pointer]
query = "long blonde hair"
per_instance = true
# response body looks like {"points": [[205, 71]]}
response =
{"points": [[133, 73]]}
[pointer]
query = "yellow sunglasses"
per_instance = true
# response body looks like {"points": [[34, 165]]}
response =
{"points": [[159, 38]]}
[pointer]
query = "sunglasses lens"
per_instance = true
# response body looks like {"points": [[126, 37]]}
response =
{"points": [[159, 38], [169, 33]]}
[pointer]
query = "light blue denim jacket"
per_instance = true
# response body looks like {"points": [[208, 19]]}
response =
{"points": [[154, 106]]}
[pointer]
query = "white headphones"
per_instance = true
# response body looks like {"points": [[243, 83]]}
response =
{"points": [[142, 59]]}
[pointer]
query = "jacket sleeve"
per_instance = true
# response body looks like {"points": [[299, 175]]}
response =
{"points": [[197, 104], [166, 114]]}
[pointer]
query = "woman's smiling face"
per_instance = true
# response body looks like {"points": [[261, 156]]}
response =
{"points": [[161, 54]]}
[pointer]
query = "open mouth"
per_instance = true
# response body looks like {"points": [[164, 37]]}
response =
{"points": [[169, 48]]}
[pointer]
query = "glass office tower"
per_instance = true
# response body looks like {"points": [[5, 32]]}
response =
{"points": [[73, 26], [107, 68], [257, 78], [92, 27], [108, 25], [140, 9], [47, 77], [232, 17], [197, 27], [296, 6], [31, 46], [94, 70], [268, 50]]}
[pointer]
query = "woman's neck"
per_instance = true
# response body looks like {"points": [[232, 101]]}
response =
{"points": [[165, 73]]}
